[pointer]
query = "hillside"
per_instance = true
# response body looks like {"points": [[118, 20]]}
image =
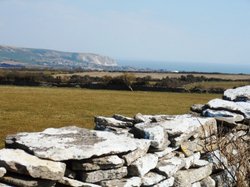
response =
{"points": [[43, 58]]}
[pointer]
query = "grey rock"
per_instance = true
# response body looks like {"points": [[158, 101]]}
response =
{"points": [[128, 182], [208, 182], [165, 152], [75, 183], [169, 167], [139, 118], [101, 175], [217, 158], [166, 183], [190, 147], [189, 161], [26, 181], [223, 179], [238, 94], [106, 162], [200, 163], [115, 130], [107, 121], [152, 178], [18, 161], [196, 184], [157, 134], [184, 178], [2, 171], [71, 143], [143, 146], [143, 165], [197, 108], [124, 118]]}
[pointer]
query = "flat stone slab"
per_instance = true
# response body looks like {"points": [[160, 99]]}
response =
{"points": [[238, 94], [152, 178], [108, 121], [128, 182], [166, 183], [75, 183], [18, 161], [71, 143]]}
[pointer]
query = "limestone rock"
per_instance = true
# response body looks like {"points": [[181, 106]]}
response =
{"points": [[26, 181], [143, 165], [139, 118], [74, 183], [222, 179], [18, 161], [126, 182], [184, 178], [153, 132], [115, 130], [208, 182], [71, 143], [143, 146], [100, 175], [124, 118], [4, 185], [238, 94], [152, 178], [200, 163], [106, 121], [166, 183], [196, 184], [189, 161], [2, 171], [197, 108], [190, 147], [169, 167], [106, 162], [165, 152]]}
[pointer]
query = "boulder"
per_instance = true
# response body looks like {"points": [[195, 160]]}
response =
{"points": [[75, 183], [26, 181], [157, 134], [185, 178], [152, 178], [18, 161], [238, 94], [71, 143], [107, 121], [169, 167], [143, 146], [2, 171], [143, 165], [106, 162], [126, 182], [166, 183], [101, 175]]}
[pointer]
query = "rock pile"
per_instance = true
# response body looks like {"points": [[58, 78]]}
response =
{"points": [[147, 150]]}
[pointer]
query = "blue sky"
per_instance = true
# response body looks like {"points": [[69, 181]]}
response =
{"points": [[209, 31]]}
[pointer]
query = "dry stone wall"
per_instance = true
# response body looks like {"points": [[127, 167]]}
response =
{"points": [[189, 150]]}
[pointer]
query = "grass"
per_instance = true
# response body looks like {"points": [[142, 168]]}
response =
{"points": [[217, 84], [34, 109]]}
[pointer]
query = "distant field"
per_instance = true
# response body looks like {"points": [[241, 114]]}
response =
{"points": [[159, 75], [34, 109]]}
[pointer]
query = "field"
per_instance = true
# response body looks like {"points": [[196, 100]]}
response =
{"points": [[34, 109]]}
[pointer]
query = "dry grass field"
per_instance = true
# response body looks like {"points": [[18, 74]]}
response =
{"points": [[34, 109]]}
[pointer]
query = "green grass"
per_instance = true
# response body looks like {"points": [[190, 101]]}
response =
{"points": [[34, 109]]}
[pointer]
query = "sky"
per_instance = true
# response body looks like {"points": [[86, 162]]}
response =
{"points": [[202, 32]]}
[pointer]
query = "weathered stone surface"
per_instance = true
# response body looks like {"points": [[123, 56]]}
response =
{"points": [[74, 183], [106, 162], [143, 165], [185, 178], [238, 107], [107, 121], [200, 163], [222, 179], [128, 182], [189, 161], [100, 175], [197, 108], [124, 118], [71, 143], [143, 146], [26, 181], [115, 130], [190, 147], [166, 183], [2, 171], [196, 184], [238, 94], [165, 152], [157, 134], [152, 178], [208, 182], [217, 158], [18, 161], [169, 167], [139, 118]]}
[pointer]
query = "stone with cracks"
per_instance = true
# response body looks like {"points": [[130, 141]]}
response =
{"points": [[208, 182], [143, 165], [26, 181], [71, 143], [101, 175], [165, 152], [238, 94], [18, 161], [126, 182], [152, 178], [143, 146], [189, 161], [106, 162], [190, 147], [157, 134], [2, 171], [166, 183], [75, 183], [107, 121], [115, 130], [169, 167], [185, 178]]}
